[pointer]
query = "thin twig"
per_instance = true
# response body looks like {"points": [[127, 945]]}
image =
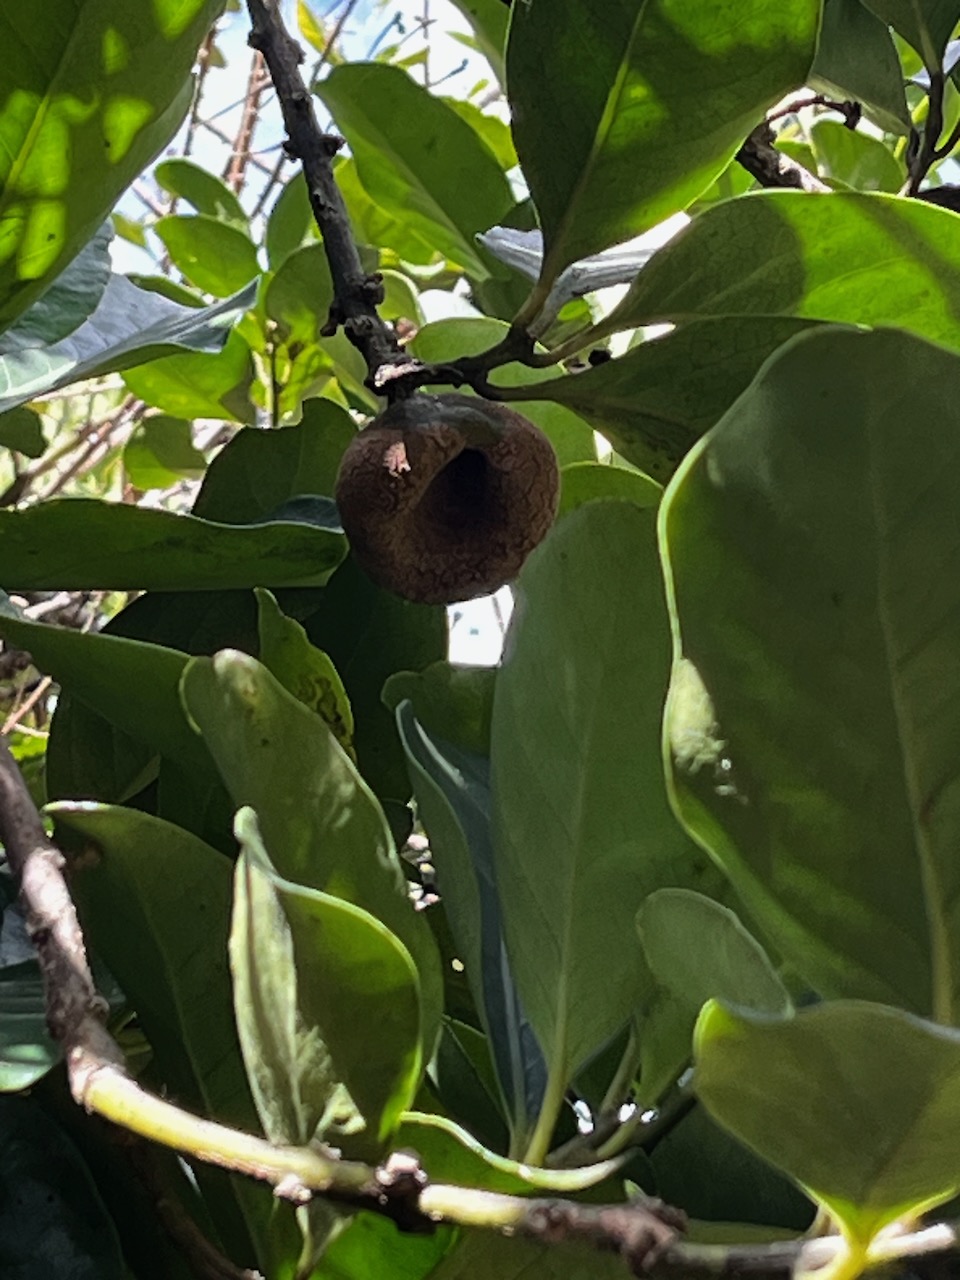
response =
{"points": [[771, 167], [926, 153], [20, 712], [236, 168], [850, 110]]}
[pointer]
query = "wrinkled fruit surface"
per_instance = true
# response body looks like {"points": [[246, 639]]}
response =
{"points": [[444, 497]]}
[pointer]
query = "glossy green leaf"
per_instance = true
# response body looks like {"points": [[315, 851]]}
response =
{"points": [[582, 482], [813, 719], [374, 225], [855, 158], [321, 826], [488, 20], [926, 25], [698, 950], [312, 975], [22, 430], [372, 1246], [582, 828], [67, 302], [303, 669], [207, 193], [615, 142], [133, 548], [27, 1051], [197, 385], [213, 255], [655, 401], [93, 93], [440, 178], [52, 1220], [845, 257], [129, 326], [131, 684], [857, 58], [259, 470], [160, 451], [299, 296], [851, 1099]]}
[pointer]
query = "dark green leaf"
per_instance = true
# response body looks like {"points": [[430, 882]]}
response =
{"points": [[93, 93], [926, 25], [259, 470], [27, 1052], [614, 142], [22, 430], [213, 255], [160, 451], [439, 177], [813, 717], [582, 828], [655, 401], [453, 702], [196, 385], [131, 548], [129, 326], [321, 826], [485, 1253], [198, 186], [851, 258], [312, 975], [856, 58], [851, 1099]]}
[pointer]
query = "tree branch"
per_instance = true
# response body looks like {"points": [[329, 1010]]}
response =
{"points": [[771, 167]]}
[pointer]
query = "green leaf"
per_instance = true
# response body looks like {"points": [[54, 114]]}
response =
{"points": [[197, 385], [213, 255], [131, 684], [927, 25], [451, 1155], [130, 326], [582, 828], [22, 430], [369, 634], [207, 193], [488, 20], [67, 302], [303, 670], [374, 225], [138, 548], [290, 221], [486, 1253], [727, 963], [452, 789], [854, 158], [260, 470], [299, 296], [813, 719], [27, 1051], [582, 482], [615, 142], [94, 93], [845, 257], [312, 975], [453, 702], [439, 177], [851, 1099], [160, 451], [857, 58], [656, 400], [321, 826]]}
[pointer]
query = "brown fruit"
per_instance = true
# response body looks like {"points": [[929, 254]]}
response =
{"points": [[444, 497]]}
